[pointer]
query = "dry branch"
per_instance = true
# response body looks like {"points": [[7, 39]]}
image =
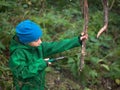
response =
{"points": [[85, 28]]}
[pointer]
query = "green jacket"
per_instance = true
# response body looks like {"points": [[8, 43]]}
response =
{"points": [[27, 63]]}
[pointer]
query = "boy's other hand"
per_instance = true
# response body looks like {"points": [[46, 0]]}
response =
{"points": [[48, 63]]}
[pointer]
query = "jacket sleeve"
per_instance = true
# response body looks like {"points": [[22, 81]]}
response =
{"points": [[22, 69], [50, 48]]}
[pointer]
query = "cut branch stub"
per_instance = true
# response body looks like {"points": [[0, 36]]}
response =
{"points": [[104, 28]]}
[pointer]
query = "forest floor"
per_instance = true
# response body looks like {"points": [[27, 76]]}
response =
{"points": [[56, 80], [64, 80]]}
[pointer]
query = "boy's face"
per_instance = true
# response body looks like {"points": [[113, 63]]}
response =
{"points": [[36, 43]]}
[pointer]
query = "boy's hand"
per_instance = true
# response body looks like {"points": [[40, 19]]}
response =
{"points": [[48, 63], [83, 36]]}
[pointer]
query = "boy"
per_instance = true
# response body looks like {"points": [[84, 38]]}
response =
{"points": [[27, 53]]}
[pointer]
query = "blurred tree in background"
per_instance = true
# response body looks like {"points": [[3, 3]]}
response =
{"points": [[62, 19]]}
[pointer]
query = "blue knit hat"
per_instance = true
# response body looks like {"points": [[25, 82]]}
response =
{"points": [[28, 31]]}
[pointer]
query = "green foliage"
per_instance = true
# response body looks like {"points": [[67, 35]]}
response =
{"points": [[63, 19]]}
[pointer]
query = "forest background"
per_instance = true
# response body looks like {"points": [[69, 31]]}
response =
{"points": [[60, 19]]}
